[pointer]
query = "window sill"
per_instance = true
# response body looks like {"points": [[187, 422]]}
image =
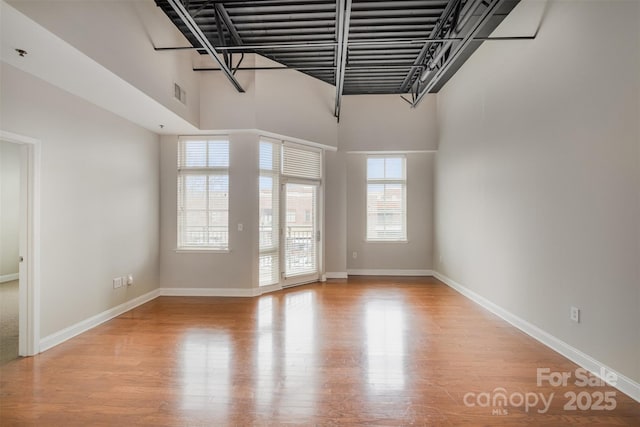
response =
{"points": [[386, 241], [201, 251]]}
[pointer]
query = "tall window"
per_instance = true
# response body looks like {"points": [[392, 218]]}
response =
{"points": [[269, 207], [386, 198], [203, 193]]}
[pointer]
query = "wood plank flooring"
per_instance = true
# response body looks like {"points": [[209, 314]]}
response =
{"points": [[367, 351]]}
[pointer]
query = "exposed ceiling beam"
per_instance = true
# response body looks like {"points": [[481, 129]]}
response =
{"points": [[364, 67], [186, 18], [221, 38], [343, 39], [224, 15], [434, 33], [373, 42], [477, 26]]}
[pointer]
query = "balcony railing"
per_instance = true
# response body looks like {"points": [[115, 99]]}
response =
{"points": [[299, 244], [211, 236]]}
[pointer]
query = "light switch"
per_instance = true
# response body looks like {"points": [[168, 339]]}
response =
{"points": [[240, 227]]}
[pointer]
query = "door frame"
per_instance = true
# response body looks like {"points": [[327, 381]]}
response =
{"points": [[29, 289], [319, 220]]}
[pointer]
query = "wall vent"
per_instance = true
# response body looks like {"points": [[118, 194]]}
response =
{"points": [[179, 93]]}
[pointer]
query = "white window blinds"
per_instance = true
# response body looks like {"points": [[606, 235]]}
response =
{"points": [[301, 162], [203, 193], [269, 213], [386, 198]]}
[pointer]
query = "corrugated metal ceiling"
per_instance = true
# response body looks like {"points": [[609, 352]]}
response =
{"points": [[389, 47]]}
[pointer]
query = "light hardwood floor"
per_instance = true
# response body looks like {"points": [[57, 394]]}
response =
{"points": [[370, 351]]}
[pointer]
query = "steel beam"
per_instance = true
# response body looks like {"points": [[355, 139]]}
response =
{"points": [[343, 15], [362, 67], [186, 18], [374, 42], [477, 26], [221, 38], [432, 39], [224, 15]]}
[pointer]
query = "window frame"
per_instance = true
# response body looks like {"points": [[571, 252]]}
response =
{"points": [[272, 251], [384, 181], [207, 172]]}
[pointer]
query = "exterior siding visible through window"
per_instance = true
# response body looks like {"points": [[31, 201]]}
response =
{"points": [[203, 193], [386, 198]]}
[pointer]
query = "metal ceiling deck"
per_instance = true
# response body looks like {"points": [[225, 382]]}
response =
{"points": [[359, 46]]}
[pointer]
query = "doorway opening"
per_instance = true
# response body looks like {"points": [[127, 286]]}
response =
{"points": [[19, 250], [10, 212]]}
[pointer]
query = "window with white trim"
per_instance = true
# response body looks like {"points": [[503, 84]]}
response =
{"points": [[269, 208], [203, 193], [387, 198]]}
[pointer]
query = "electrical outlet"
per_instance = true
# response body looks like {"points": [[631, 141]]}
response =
{"points": [[129, 280], [575, 314], [354, 255], [117, 282]]}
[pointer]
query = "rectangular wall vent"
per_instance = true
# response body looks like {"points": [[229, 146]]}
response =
{"points": [[179, 93]]}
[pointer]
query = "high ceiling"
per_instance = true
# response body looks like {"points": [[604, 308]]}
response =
{"points": [[360, 46]]}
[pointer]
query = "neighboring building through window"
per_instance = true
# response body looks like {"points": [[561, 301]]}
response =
{"points": [[386, 198], [203, 193]]}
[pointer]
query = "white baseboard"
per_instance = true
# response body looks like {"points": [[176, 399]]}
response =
{"points": [[623, 383], [210, 292], [83, 326], [387, 272], [337, 275], [9, 277], [267, 289]]}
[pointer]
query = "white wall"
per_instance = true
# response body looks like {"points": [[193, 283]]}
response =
{"points": [[379, 123], [416, 253], [335, 213], [282, 102], [221, 105], [294, 104], [236, 269], [386, 122], [538, 171], [9, 207], [99, 199], [121, 35]]}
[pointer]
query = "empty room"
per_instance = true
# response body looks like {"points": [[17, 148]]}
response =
{"points": [[318, 213]]}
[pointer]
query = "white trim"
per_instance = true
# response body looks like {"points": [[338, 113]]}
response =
{"points": [[269, 288], [210, 292], [90, 323], [201, 251], [623, 383], [337, 275], [9, 277], [29, 270], [17, 139], [260, 133], [384, 152], [388, 272], [386, 241]]}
